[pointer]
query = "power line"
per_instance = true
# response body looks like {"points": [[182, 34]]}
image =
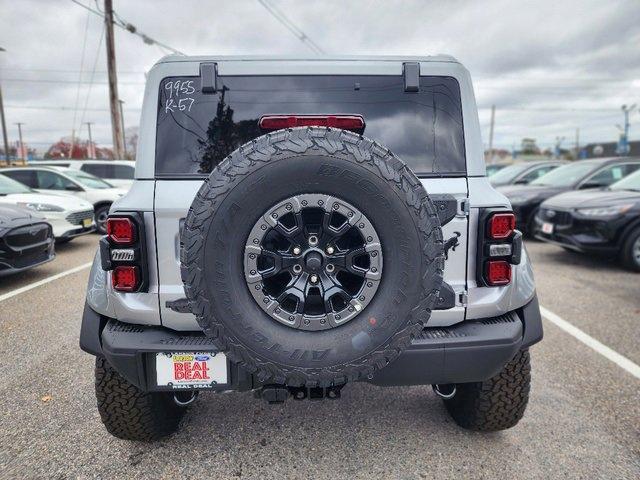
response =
{"points": [[93, 72], [123, 24], [52, 80], [55, 107], [75, 109], [292, 27]]}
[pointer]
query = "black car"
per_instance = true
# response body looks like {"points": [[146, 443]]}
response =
{"points": [[602, 222], [25, 240], [524, 172], [580, 175]]}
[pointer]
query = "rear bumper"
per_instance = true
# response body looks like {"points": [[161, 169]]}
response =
{"points": [[468, 352]]}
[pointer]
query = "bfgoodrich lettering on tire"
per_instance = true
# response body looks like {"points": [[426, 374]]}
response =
{"points": [[249, 222]]}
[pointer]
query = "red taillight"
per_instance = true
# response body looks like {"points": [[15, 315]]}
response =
{"points": [[121, 230], [125, 278], [498, 272], [501, 225], [345, 122]]}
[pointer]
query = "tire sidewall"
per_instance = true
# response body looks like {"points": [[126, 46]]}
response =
{"points": [[228, 229]]}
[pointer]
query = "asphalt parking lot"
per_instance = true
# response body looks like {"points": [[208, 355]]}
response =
{"points": [[583, 419]]}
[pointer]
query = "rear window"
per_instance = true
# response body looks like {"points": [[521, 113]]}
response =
{"points": [[196, 131]]}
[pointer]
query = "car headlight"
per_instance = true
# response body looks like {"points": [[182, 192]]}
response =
{"points": [[42, 207], [604, 211]]}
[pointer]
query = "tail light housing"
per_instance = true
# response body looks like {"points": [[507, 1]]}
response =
{"points": [[354, 123], [121, 230], [498, 272], [125, 278], [123, 252], [501, 225], [499, 247]]}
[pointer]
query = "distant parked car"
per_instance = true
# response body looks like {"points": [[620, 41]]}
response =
{"points": [[26, 240], [83, 185], [594, 173], [524, 172], [493, 168], [118, 173], [68, 216], [602, 222]]}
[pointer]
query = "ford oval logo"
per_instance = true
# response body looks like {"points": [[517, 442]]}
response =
{"points": [[551, 213]]}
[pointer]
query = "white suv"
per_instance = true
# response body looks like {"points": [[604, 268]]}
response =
{"points": [[70, 181], [118, 173], [296, 225]]}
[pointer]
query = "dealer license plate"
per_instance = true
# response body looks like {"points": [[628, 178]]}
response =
{"points": [[547, 228], [86, 222], [191, 370]]}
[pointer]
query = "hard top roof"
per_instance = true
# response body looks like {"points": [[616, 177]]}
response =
{"points": [[320, 58]]}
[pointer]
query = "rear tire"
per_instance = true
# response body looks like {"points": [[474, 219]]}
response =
{"points": [[131, 414], [630, 254], [495, 404]]}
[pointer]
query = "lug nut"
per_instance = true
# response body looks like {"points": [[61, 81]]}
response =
{"points": [[297, 269], [330, 250], [330, 268], [313, 240], [297, 250], [313, 278]]}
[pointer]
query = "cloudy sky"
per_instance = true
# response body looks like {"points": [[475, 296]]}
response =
{"points": [[549, 66]]}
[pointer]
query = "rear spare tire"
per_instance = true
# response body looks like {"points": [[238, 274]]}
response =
{"points": [[312, 256]]}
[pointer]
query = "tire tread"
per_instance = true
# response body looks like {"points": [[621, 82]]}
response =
{"points": [[129, 413], [281, 145], [495, 404]]}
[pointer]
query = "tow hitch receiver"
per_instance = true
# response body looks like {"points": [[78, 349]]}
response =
{"points": [[274, 394]]}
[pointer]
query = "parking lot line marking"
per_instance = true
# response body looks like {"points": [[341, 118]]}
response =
{"points": [[620, 360], [44, 281]]}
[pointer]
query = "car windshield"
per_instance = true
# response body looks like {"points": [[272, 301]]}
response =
{"points": [[87, 180], [9, 186], [507, 174], [631, 182], [565, 176]]}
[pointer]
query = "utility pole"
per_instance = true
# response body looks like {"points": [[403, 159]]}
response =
{"points": [[21, 150], [116, 122], [4, 125], [90, 150], [493, 119], [623, 145], [124, 137], [577, 143], [559, 141]]}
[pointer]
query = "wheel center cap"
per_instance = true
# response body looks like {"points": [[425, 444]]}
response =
{"points": [[313, 261]]}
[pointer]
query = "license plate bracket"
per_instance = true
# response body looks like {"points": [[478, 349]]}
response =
{"points": [[190, 370]]}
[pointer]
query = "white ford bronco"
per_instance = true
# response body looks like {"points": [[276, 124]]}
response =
{"points": [[296, 225]]}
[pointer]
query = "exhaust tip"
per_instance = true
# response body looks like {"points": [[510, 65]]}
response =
{"points": [[445, 391], [183, 399]]}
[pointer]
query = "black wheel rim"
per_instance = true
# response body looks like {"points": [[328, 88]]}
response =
{"points": [[313, 262]]}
